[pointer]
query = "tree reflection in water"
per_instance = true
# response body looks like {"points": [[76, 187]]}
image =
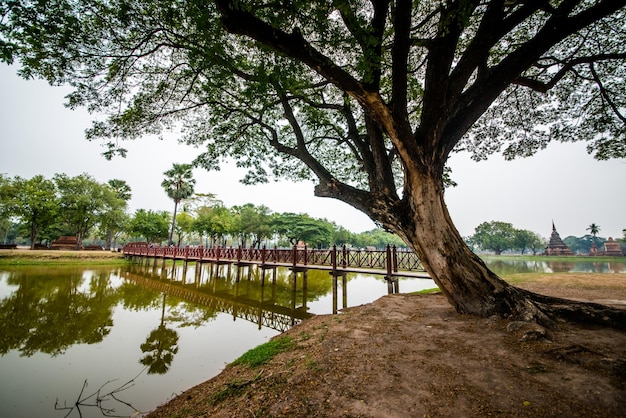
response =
{"points": [[160, 346]]}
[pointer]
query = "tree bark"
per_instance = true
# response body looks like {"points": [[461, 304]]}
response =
{"points": [[460, 274], [463, 277], [34, 230]]}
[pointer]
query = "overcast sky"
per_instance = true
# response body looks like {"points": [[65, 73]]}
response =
{"points": [[564, 184]]}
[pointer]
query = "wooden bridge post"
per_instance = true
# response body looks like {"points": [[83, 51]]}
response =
{"points": [[263, 256], [306, 255], [344, 254], [333, 261], [395, 280], [185, 256], [199, 263], [388, 262], [395, 259], [262, 266]]}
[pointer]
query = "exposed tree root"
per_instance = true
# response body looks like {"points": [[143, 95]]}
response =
{"points": [[549, 311]]}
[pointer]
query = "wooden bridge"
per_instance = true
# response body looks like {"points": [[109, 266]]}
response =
{"points": [[391, 262]]}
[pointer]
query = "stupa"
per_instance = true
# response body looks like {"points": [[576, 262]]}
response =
{"points": [[556, 246], [612, 248]]}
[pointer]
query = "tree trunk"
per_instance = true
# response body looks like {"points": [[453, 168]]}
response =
{"points": [[464, 278], [79, 239], [33, 234], [170, 240], [109, 239]]}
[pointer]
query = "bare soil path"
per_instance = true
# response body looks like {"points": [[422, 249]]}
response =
{"points": [[414, 356]]}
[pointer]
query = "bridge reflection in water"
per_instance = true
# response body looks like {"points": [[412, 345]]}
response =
{"points": [[276, 299]]}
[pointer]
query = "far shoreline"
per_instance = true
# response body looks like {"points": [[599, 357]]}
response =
{"points": [[26, 256]]}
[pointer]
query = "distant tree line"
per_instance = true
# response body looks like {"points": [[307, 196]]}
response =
{"points": [[43, 209], [38, 210], [205, 221], [501, 237]]}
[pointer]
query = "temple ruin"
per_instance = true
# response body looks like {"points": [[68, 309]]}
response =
{"points": [[556, 246], [612, 248]]}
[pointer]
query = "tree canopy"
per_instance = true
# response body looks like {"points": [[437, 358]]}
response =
{"points": [[369, 98], [500, 236]]}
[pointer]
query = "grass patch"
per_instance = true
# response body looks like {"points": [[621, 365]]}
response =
{"points": [[312, 365], [265, 352], [62, 261], [57, 257], [425, 291]]}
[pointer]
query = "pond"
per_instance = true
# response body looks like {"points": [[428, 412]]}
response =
{"points": [[505, 266], [102, 341]]}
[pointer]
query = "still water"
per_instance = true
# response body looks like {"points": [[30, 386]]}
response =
{"points": [[93, 342], [512, 266]]}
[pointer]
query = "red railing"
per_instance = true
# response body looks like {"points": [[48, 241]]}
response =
{"points": [[390, 260]]}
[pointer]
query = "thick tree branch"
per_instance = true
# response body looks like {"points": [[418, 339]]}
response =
{"points": [[605, 94], [440, 58], [566, 67], [295, 46], [400, 57], [370, 39], [477, 98]]}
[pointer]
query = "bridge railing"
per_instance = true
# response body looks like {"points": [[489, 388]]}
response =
{"points": [[391, 259]]}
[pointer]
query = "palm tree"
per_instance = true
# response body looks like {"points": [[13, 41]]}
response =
{"points": [[593, 230], [178, 185]]}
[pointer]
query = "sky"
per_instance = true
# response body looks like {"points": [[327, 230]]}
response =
{"points": [[561, 184]]}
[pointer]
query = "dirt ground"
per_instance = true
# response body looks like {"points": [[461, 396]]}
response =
{"points": [[414, 356]]}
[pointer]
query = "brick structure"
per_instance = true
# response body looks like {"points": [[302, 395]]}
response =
{"points": [[64, 243], [612, 248], [556, 246]]}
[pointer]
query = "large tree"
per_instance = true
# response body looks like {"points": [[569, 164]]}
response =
{"points": [[34, 201], [114, 218], [149, 224], [367, 97], [82, 203], [300, 228], [215, 222], [252, 222], [495, 236]]}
